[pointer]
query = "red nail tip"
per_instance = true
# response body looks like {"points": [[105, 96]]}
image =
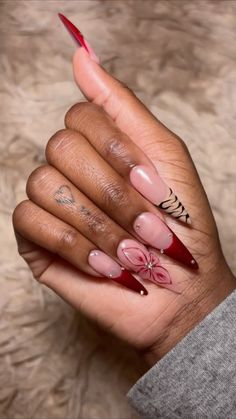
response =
{"points": [[129, 281], [179, 252], [74, 32]]}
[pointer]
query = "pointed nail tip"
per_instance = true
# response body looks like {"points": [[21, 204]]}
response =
{"points": [[133, 284], [194, 265], [179, 252], [62, 17], [73, 30]]}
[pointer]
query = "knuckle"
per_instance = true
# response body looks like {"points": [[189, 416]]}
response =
{"points": [[114, 147], [38, 177], [79, 113], [67, 240], [115, 195], [58, 142]]}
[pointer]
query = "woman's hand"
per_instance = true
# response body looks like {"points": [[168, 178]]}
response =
{"points": [[85, 217]]}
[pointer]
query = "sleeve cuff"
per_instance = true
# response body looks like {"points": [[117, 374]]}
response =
{"points": [[197, 378]]}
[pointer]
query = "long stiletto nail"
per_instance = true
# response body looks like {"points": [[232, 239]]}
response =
{"points": [[78, 37], [106, 266], [144, 262], [148, 182], [157, 234]]}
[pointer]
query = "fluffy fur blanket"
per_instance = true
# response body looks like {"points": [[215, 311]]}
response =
{"points": [[179, 57]]}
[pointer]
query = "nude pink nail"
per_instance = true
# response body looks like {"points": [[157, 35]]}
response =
{"points": [[106, 266], [148, 182], [157, 234], [144, 262]]}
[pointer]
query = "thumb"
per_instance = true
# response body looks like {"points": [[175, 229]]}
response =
{"points": [[131, 116], [118, 101]]}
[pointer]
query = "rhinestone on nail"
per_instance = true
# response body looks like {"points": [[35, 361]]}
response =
{"points": [[149, 265], [193, 261]]}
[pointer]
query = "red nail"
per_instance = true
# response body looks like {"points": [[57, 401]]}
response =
{"points": [[78, 37], [157, 234], [129, 281], [105, 265], [74, 32], [178, 251]]}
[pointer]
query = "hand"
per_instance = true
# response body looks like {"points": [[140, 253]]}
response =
{"points": [[59, 227]]}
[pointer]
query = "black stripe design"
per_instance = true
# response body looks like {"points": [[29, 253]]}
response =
{"points": [[174, 207]]}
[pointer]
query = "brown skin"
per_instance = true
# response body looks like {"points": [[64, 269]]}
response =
{"points": [[55, 238]]}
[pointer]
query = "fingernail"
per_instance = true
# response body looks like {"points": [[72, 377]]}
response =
{"points": [[157, 234], [106, 266], [148, 182], [78, 37], [144, 262]]}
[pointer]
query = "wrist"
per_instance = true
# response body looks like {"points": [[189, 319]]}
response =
{"points": [[194, 305]]}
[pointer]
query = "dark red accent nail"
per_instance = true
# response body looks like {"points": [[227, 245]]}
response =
{"points": [[179, 252], [129, 281], [74, 32]]}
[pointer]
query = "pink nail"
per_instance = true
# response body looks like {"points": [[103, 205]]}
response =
{"points": [[106, 266], [148, 182], [157, 234], [145, 263]]}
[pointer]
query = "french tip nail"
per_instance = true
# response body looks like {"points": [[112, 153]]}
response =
{"points": [[130, 282], [179, 252]]}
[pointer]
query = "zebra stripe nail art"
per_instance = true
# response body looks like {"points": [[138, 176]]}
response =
{"points": [[149, 183], [173, 206]]}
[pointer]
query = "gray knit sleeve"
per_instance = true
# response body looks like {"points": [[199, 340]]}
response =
{"points": [[197, 379]]}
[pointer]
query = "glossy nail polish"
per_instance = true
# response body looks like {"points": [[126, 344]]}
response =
{"points": [[78, 37], [157, 234], [148, 182], [106, 266], [144, 262]]}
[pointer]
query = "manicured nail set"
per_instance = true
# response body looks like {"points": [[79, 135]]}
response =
{"points": [[133, 255]]}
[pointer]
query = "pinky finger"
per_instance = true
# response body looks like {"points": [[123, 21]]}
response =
{"points": [[42, 238]]}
